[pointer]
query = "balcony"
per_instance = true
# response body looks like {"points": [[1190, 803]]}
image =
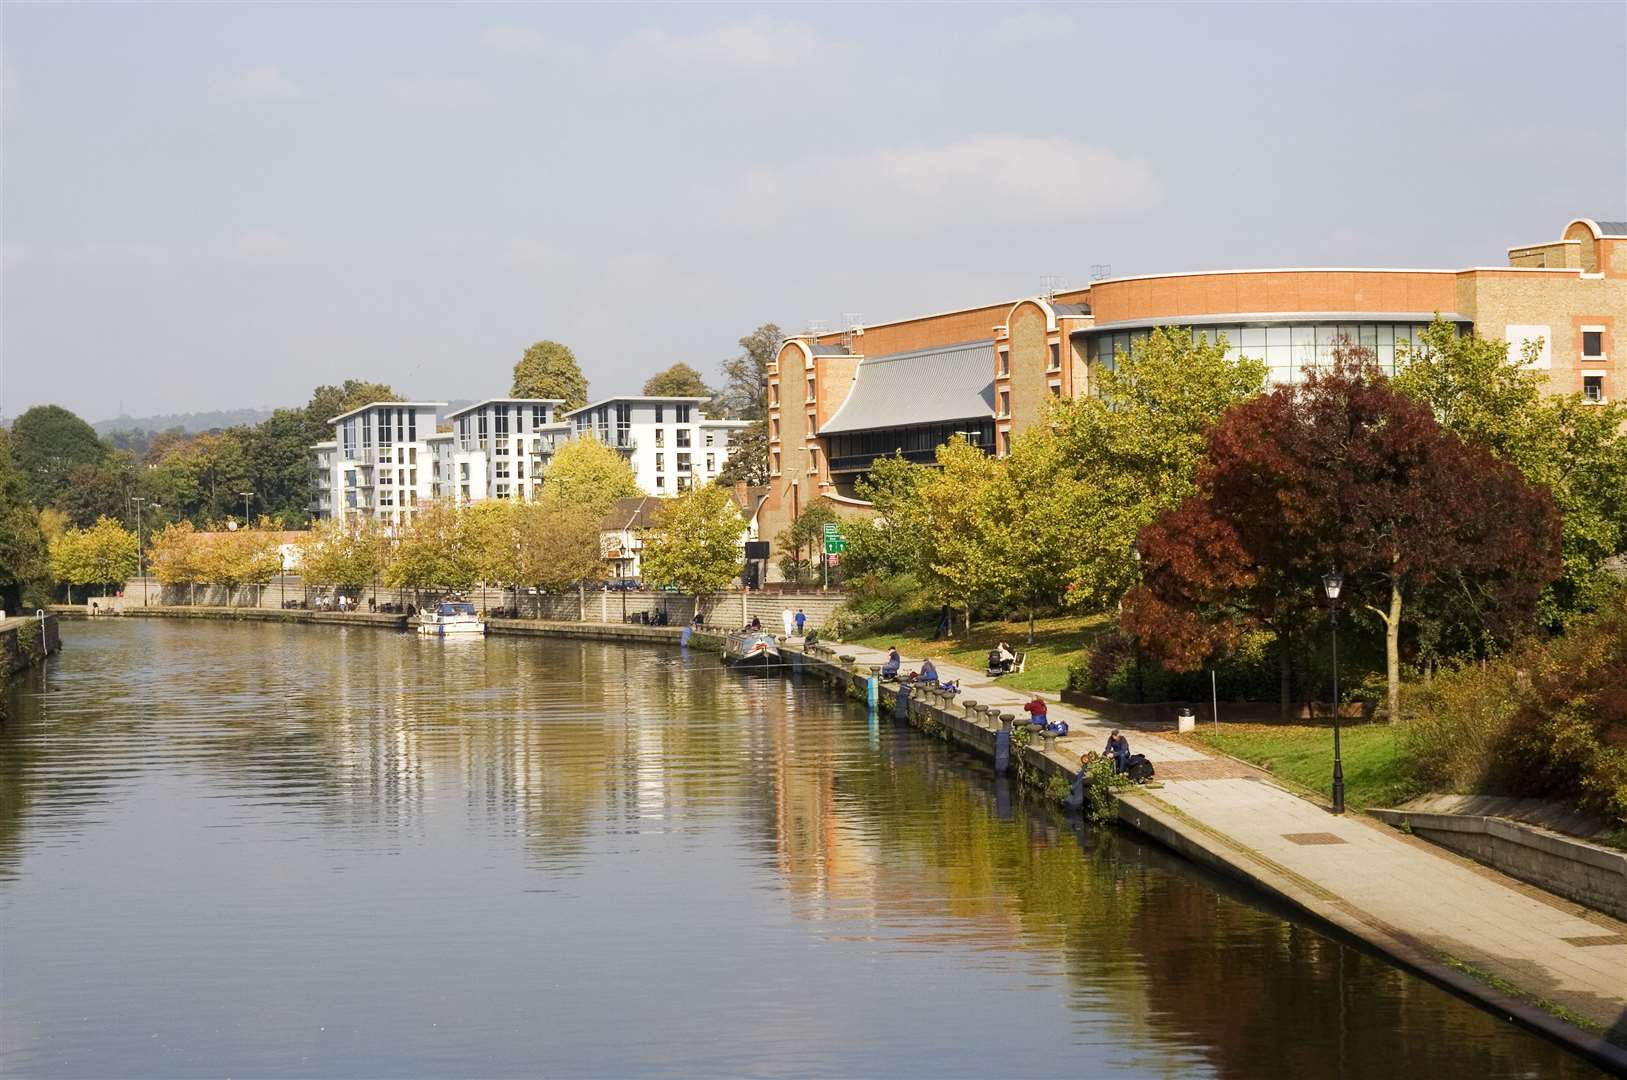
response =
{"points": [[625, 441]]}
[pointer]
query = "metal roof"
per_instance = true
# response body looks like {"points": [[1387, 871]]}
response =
{"points": [[928, 386], [1611, 228], [827, 350], [1072, 311]]}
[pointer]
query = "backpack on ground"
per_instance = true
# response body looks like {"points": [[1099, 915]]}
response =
{"points": [[1138, 768]]}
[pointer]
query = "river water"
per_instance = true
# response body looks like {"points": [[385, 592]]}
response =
{"points": [[265, 850]]}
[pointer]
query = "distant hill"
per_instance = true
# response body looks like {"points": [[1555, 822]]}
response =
{"points": [[191, 422]]}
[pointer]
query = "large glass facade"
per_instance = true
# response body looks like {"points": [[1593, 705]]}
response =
{"points": [[855, 450], [1288, 350]]}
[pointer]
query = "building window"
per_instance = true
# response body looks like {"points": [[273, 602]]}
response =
{"points": [[775, 462], [774, 428], [683, 463], [711, 463], [660, 483], [660, 436], [660, 414], [1592, 344], [683, 436], [1005, 403], [1056, 389], [810, 387], [1005, 443], [773, 393], [683, 483], [1593, 388], [1005, 362], [683, 412], [660, 462], [708, 438]]}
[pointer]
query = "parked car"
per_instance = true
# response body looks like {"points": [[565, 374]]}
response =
{"points": [[623, 584]]}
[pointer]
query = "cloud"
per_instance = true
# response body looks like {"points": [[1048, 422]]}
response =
{"points": [[440, 92], [515, 40], [1000, 177], [261, 245], [262, 83], [760, 44], [1028, 27]]}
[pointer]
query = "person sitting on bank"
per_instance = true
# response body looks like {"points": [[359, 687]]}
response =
{"points": [[929, 674], [889, 670], [756, 624], [1118, 748], [700, 620], [1036, 711], [1001, 659]]}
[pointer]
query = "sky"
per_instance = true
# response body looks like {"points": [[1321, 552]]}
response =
{"points": [[209, 206]]}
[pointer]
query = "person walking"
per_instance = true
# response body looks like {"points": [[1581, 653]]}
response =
{"points": [[801, 620]]}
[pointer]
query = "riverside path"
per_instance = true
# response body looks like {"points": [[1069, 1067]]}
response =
{"points": [[1483, 934]]}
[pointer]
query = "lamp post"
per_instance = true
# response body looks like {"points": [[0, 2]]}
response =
{"points": [[247, 495], [141, 573], [1332, 582]]}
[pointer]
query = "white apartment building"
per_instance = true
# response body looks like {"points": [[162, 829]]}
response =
{"points": [[498, 448], [381, 461], [322, 501], [668, 442]]}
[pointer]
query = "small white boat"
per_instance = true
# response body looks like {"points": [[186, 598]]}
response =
{"points": [[754, 649], [451, 618]]}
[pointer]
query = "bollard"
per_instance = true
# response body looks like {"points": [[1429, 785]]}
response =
{"points": [[872, 688], [971, 709], [847, 662], [1050, 741]]}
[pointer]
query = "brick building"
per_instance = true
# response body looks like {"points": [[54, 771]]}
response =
{"points": [[836, 401]]}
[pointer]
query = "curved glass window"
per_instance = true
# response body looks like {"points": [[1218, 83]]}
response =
{"points": [[1288, 350]]}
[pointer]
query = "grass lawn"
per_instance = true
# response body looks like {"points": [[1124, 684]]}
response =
{"points": [[1377, 770], [1058, 642]]}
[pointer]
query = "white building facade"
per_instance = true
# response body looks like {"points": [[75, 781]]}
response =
{"points": [[380, 464], [388, 456], [670, 445], [498, 448]]}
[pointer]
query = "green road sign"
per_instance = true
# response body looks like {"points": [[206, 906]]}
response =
{"points": [[835, 542]]}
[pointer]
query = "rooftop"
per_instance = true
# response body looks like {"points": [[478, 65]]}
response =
{"points": [[927, 386], [505, 401], [387, 404]]}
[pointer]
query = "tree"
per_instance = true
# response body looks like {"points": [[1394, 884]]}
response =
{"points": [[350, 553], [434, 554], [748, 457], [586, 472], [239, 557], [103, 554], [25, 568], [679, 380], [893, 542], [549, 370], [1345, 471], [1577, 450], [800, 541], [175, 556], [99, 489], [558, 544], [277, 458], [960, 533], [1033, 512], [745, 377], [1136, 442], [48, 441], [696, 542]]}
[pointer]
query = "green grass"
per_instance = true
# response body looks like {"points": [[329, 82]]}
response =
{"points": [[1058, 642], [1378, 771]]}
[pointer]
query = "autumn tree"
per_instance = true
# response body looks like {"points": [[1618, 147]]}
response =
{"points": [[558, 544], [1135, 442], [695, 544], [175, 557], [349, 553], [1344, 471], [104, 554], [238, 557], [1032, 516], [587, 472], [434, 553], [748, 457], [549, 370], [679, 380]]}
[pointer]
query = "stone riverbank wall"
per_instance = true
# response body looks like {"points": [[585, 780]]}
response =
{"points": [[26, 640]]}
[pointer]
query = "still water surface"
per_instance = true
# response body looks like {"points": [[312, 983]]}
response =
{"points": [[299, 851]]}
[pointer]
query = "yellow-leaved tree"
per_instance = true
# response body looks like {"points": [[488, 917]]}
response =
{"points": [[695, 545]]}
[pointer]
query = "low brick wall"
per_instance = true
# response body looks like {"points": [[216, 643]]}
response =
{"points": [[1575, 869]]}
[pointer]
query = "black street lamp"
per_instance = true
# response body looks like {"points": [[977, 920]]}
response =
{"points": [[1135, 555], [1332, 582]]}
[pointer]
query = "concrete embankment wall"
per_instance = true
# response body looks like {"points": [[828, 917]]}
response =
{"points": [[26, 640], [594, 605], [1586, 873]]}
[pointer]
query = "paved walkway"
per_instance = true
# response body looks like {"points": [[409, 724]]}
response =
{"points": [[1404, 890]]}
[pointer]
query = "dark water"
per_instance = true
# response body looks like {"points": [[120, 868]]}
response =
{"points": [[283, 851]]}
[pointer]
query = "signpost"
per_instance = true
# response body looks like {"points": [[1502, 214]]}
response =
{"points": [[835, 545]]}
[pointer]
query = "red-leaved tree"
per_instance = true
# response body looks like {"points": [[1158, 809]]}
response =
{"points": [[1345, 472]]}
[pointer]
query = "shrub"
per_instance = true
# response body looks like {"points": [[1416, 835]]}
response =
{"points": [[1108, 668], [1547, 721]]}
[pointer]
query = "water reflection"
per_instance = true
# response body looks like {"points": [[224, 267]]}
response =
{"points": [[508, 856]]}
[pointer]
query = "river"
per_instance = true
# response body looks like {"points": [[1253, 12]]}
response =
{"points": [[258, 849]]}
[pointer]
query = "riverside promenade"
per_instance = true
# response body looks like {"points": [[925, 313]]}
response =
{"points": [[1547, 963]]}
